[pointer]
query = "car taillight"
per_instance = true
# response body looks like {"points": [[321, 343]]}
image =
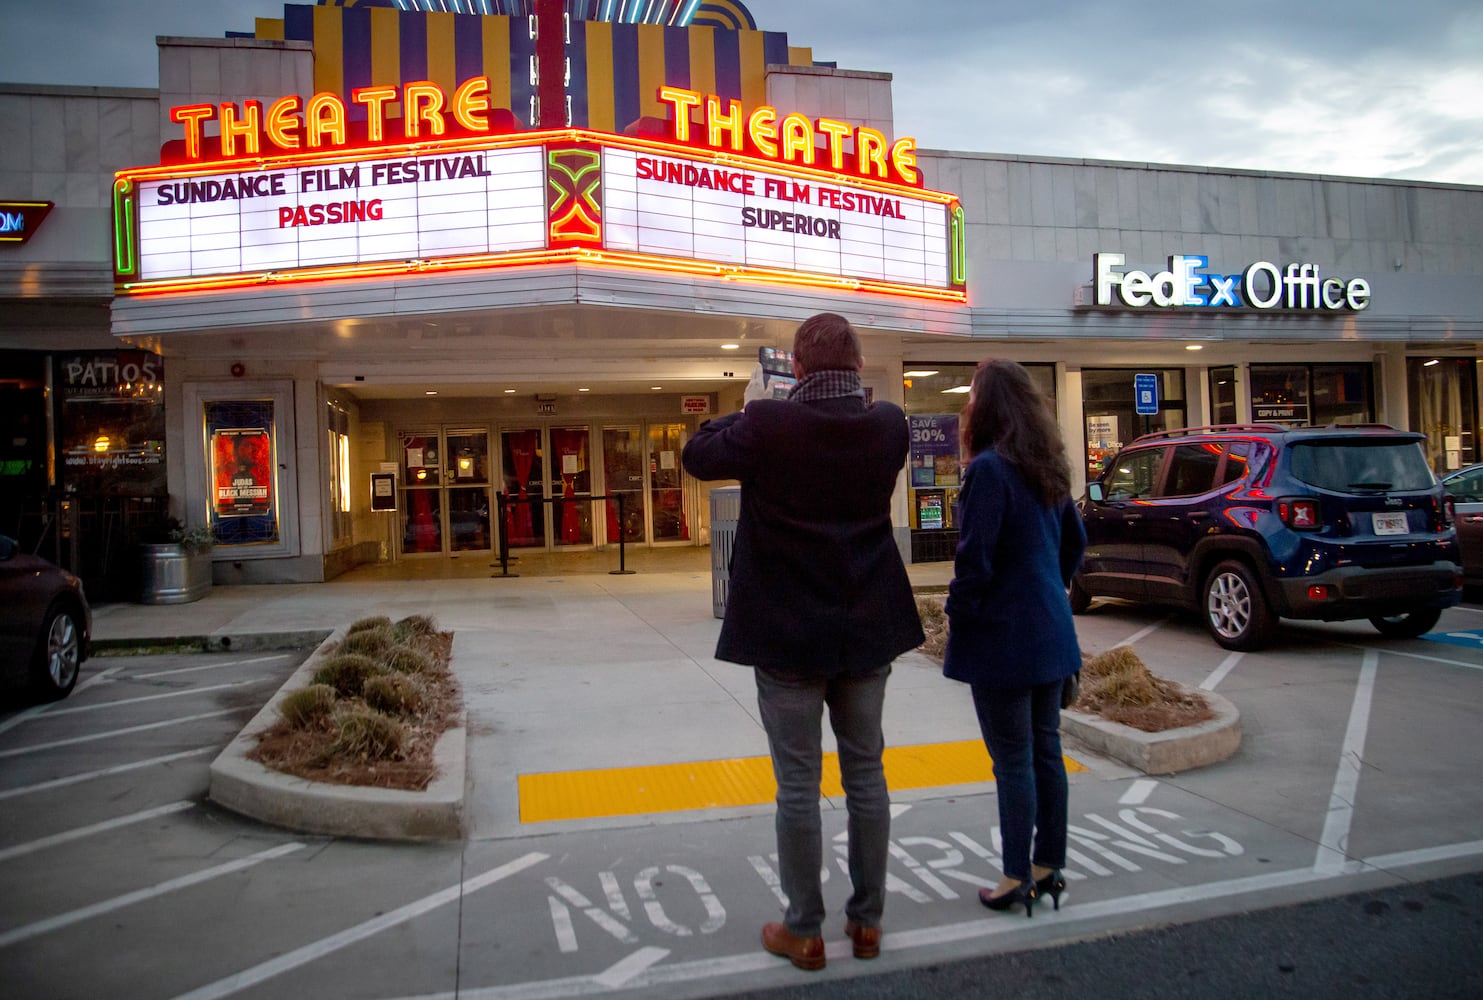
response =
{"points": [[1300, 513]]}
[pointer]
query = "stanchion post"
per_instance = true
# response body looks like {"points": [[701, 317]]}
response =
{"points": [[622, 569], [504, 536]]}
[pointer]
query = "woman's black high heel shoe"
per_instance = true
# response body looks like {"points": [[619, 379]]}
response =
{"points": [[1052, 885], [1024, 892]]}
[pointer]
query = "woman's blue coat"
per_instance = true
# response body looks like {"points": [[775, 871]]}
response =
{"points": [[1009, 619]]}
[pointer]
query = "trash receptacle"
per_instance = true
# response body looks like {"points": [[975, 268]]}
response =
{"points": [[725, 513]]}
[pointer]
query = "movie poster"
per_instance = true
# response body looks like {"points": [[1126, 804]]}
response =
{"points": [[244, 471]]}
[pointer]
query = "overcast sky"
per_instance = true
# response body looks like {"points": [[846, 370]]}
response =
{"points": [[1365, 88]]}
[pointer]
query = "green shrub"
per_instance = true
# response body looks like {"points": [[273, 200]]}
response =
{"points": [[375, 621], [307, 706], [372, 641], [347, 673], [395, 694], [408, 660], [415, 626], [368, 734]]}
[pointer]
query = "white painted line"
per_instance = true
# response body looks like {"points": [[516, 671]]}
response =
{"points": [[1141, 633], [35, 710], [621, 972], [1459, 607], [1334, 841], [970, 930], [1138, 792], [73, 779], [114, 732], [67, 836], [61, 920], [1208, 684], [157, 697], [209, 666], [899, 809], [1416, 656], [324, 946]]}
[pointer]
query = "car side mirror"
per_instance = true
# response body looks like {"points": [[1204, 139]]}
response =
{"points": [[1094, 491]]}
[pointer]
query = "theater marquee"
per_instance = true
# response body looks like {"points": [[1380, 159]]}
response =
{"points": [[790, 200]]}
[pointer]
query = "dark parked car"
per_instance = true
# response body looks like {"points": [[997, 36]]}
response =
{"points": [[1250, 523], [1465, 488], [45, 623]]}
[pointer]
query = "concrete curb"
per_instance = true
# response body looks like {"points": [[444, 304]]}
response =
{"points": [[1161, 753], [249, 788], [242, 642]]}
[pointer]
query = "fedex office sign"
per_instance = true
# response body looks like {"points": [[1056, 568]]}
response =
{"points": [[1190, 284]]}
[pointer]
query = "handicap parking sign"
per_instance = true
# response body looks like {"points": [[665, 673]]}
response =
{"points": [[1146, 394]]}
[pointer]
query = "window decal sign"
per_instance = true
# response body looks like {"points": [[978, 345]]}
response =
{"points": [[19, 220]]}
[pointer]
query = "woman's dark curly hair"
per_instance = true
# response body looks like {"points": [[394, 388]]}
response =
{"points": [[1008, 413]]}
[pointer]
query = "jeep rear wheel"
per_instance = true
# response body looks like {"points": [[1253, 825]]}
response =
{"points": [[1236, 613], [1407, 626]]}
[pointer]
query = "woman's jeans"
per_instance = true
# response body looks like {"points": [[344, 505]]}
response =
{"points": [[792, 709], [1021, 728]]}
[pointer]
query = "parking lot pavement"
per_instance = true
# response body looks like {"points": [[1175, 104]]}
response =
{"points": [[115, 874]]}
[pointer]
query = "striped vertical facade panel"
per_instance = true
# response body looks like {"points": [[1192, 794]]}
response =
{"points": [[616, 69], [268, 27], [496, 39]]}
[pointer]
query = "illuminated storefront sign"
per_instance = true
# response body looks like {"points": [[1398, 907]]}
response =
{"points": [[1189, 284], [19, 220], [550, 197]]}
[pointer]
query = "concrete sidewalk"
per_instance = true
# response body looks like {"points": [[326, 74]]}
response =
{"points": [[565, 667]]}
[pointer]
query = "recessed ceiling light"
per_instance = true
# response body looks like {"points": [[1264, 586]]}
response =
{"points": [[959, 389], [730, 347], [584, 390], [1194, 347], [919, 374], [508, 391], [656, 387], [1433, 361], [430, 392]]}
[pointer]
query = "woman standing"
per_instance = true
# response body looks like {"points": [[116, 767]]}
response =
{"points": [[1011, 637]]}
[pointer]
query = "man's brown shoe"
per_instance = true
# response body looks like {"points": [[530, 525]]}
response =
{"points": [[804, 952], [867, 939]]}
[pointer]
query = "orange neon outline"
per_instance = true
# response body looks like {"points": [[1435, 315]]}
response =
{"points": [[762, 128], [324, 115], [797, 131], [191, 116], [375, 99], [837, 131], [533, 138], [471, 104], [617, 259], [904, 159], [870, 151], [283, 123], [682, 102], [422, 101], [246, 128], [716, 123]]}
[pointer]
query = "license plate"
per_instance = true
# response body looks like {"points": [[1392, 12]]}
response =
{"points": [[1390, 524]]}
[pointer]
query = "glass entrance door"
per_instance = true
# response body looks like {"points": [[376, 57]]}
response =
{"points": [[571, 476], [670, 522], [467, 488], [445, 491], [623, 476], [521, 456]]}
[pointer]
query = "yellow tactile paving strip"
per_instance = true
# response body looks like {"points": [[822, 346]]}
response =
{"points": [[741, 781]]}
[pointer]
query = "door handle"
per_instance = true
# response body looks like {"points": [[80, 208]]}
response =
{"points": [[1197, 515], [1473, 518], [1132, 517]]}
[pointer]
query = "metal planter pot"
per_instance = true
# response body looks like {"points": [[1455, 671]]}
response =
{"points": [[172, 574]]}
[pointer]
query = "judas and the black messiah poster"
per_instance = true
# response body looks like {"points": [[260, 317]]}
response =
{"points": [[244, 497]]}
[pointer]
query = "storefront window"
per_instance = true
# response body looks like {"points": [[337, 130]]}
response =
{"points": [[1443, 395], [1111, 416], [339, 455], [113, 423], [1299, 395], [1223, 395]]}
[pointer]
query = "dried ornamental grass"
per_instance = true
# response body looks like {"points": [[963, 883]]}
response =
{"points": [[934, 624], [1118, 686], [308, 706], [415, 626], [347, 673], [367, 734], [395, 694], [407, 660], [372, 641], [375, 621]]}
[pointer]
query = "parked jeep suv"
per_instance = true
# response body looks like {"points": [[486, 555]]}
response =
{"points": [[1251, 523]]}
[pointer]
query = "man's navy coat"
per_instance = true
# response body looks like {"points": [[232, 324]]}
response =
{"points": [[817, 584]]}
